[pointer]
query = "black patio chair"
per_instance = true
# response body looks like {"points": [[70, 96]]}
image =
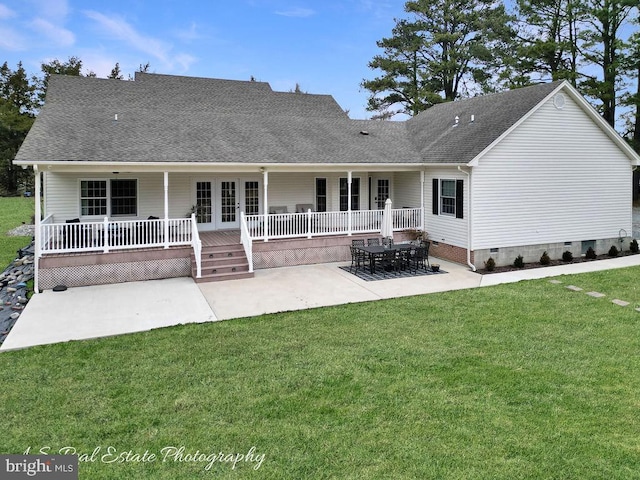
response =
{"points": [[357, 243], [373, 241], [359, 259], [389, 262], [417, 259]]}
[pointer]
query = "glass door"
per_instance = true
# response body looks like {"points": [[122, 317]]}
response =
{"points": [[382, 192], [203, 207], [228, 206]]}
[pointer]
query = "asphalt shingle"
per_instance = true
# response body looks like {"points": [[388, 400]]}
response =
{"points": [[165, 118]]}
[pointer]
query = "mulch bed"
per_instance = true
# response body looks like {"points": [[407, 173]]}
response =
{"points": [[527, 266]]}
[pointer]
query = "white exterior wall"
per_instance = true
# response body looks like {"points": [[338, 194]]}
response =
{"points": [[556, 178], [406, 189], [446, 228], [292, 188], [63, 194]]}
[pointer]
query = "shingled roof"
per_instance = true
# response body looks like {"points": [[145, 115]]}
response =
{"points": [[164, 118], [439, 139]]}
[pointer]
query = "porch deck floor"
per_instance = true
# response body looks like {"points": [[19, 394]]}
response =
{"points": [[220, 238]]}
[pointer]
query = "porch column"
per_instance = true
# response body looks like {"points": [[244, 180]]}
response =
{"points": [[349, 179], [37, 234], [166, 209], [422, 200], [265, 190]]}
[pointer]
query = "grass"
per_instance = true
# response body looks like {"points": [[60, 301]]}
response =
{"points": [[527, 380], [15, 211]]}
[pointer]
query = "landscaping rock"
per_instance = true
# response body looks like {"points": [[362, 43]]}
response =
{"points": [[13, 289], [596, 294], [622, 303]]}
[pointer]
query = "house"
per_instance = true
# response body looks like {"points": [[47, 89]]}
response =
{"points": [[145, 179]]}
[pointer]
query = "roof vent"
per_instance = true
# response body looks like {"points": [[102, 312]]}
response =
{"points": [[364, 132], [456, 120], [473, 119]]}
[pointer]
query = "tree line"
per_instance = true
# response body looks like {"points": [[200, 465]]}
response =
{"points": [[447, 49], [21, 97]]}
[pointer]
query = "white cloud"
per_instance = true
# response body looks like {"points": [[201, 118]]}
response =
{"points": [[59, 36], [55, 10], [12, 40], [6, 12], [119, 29], [297, 12], [190, 34], [185, 61]]}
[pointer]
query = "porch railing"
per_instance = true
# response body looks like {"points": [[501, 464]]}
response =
{"points": [[197, 245], [108, 235], [246, 240], [312, 224]]}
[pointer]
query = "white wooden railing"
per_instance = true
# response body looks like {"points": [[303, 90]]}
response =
{"points": [[313, 224], [196, 243], [246, 240], [108, 235]]}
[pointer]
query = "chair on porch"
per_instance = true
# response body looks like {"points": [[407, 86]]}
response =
{"points": [[304, 207], [75, 235], [358, 243], [373, 241]]}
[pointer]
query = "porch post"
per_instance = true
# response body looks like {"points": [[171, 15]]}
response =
{"points": [[349, 179], [37, 234], [265, 191], [166, 209], [422, 200]]}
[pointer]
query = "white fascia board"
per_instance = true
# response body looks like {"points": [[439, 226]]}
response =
{"points": [[100, 166]]}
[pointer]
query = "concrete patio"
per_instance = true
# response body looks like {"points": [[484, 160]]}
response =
{"points": [[99, 311]]}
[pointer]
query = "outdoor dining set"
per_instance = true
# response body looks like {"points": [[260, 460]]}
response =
{"points": [[387, 257]]}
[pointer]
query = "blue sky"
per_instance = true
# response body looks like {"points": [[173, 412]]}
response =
{"points": [[324, 46]]}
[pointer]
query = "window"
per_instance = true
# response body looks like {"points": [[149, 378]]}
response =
{"points": [[119, 198], [321, 194], [93, 197], [344, 194], [251, 198], [124, 198], [448, 197]]}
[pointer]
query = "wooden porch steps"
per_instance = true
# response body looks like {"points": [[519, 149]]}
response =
{"points": [[222, 262]]}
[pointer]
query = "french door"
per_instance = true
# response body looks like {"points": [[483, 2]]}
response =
{"points": [[382, 192], [220, 201]]}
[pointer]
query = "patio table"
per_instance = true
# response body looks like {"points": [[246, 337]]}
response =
{"points": [[375, 251]]}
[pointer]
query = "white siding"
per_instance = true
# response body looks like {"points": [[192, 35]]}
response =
{"points": [[406, 189], [292, 188], [63, 194], [446, 228], [555, 178]]}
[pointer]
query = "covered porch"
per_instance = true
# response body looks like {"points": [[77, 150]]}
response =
{"points": [[230, 207]]}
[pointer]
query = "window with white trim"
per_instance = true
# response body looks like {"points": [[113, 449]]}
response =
{"points": [[344, 194], [115, 197], [448, 197]]}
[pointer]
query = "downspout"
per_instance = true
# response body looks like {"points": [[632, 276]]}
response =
{"points": [[471, 265]]}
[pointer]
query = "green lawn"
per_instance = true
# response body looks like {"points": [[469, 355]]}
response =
{"points": [[15, 210], [527, 380]]}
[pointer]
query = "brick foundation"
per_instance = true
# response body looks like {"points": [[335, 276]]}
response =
{"points": [[449, 252]]}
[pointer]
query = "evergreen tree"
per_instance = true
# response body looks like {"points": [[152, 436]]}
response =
{"points": [[603, 47], [446, 49]]}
